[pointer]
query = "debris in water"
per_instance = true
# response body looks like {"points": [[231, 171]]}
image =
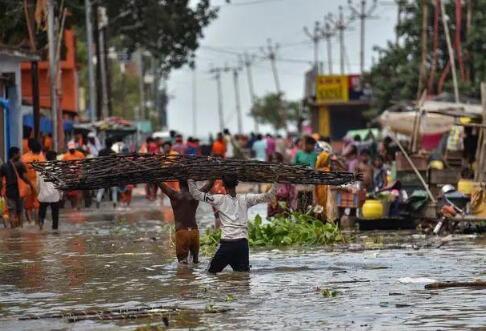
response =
{"points": [[437, 285], [416, 280]]}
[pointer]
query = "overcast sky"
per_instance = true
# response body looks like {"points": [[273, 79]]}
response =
{"points": [[245, 25]]}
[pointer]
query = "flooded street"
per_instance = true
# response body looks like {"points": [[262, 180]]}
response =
{"points": [[104, 260]]}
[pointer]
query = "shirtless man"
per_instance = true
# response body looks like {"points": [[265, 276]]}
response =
{"points": [[184, 207]]}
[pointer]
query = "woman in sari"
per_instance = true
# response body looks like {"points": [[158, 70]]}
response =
{"points": [[31, 204], [322, 191]]}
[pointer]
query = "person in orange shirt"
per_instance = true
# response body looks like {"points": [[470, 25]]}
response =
{"points": [[48, 142], [71, 155], [219, 146], [31, 204]]}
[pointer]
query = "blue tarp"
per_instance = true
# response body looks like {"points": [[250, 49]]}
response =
{"points": [[46, 123]]}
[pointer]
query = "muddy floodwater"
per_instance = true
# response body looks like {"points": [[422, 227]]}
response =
{"points": [[105, 259]]}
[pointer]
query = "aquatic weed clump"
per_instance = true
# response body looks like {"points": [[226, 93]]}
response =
{"points": [[294, 229]]}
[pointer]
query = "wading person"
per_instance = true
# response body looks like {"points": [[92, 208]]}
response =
{"points": [[71, 155], [184, 207], [48, 196], [31, 204], [233, 249], [15, 191]]}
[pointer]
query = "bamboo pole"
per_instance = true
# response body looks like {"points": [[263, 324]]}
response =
{"points": [[450, 50], [424, 40], [409, 160]]}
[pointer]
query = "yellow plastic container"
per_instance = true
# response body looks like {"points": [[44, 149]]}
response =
{"points": [[372, 209], [436, 164], [466, 186], [2, 206]]}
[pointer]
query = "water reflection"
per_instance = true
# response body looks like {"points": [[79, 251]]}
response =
{"points": [[125, 259]]}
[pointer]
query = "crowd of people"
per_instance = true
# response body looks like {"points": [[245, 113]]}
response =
{"points": [[29, 196]]}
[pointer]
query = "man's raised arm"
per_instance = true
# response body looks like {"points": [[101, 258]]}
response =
{"points": [[199, 195], [255, 199]]}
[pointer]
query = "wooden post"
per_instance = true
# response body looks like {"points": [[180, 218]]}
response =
{"points": [[480, 175]]}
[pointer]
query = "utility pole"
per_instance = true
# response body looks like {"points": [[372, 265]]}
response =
{"points": [[315, 36], [91, 72], [247, 60], [51, 36], [271, 54], [141, 88], [363, 13], [96, 37], [237, 99], [340, 25], [194, 102], [327, 34], [102, 22], [217, 76]]}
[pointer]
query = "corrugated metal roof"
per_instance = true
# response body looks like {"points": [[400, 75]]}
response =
{"points": [[17, 54]]}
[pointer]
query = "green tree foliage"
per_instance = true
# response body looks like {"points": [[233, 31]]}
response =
{"points": [[273, 109], [125, 92], [395, 77], [169, 30]]}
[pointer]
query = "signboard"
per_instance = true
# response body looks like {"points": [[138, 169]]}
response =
{"points": [[339, 89], [332, 89]]}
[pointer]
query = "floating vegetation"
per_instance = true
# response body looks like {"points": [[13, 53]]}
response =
{"points": [[296, 229], [328, 293]]}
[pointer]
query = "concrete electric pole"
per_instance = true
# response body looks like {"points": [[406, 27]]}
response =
{"points": [[327, 34], [315, 36], [194, 102], [247, 61], [217, 76], [91, 68], [340, 24], [52, 41], [236, 71], [363, 13], [271, 54], [102, 23]]}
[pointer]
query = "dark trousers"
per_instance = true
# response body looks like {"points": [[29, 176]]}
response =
{"points": [[54, 212], [235, 253]]}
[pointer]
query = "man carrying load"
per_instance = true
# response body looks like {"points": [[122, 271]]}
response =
{"points": [[233, 209]]}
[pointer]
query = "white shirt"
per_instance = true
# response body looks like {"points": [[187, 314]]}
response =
{"points": [[47, 192], [233, 210], [229, 146]]}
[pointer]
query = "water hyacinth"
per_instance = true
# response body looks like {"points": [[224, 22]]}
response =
{"points": [[295, 229]]}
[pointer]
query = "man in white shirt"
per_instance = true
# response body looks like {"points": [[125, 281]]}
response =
{"points": [[233, 211]]}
